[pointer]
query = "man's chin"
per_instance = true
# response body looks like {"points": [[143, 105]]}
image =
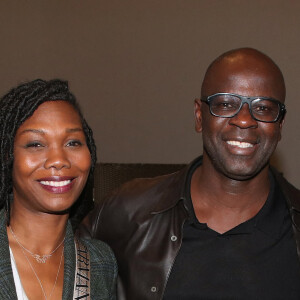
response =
{"points": [[240, 171]]}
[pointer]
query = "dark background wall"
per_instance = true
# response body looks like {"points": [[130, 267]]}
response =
{"points": [[136, 65]]}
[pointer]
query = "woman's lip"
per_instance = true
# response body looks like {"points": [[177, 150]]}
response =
{"points": [[57, 184]]}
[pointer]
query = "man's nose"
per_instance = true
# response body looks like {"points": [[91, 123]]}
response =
{"points": [[244, 119], [57, 158]]}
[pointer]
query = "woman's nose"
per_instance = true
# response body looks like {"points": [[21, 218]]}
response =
{"points": [[58, 159]]}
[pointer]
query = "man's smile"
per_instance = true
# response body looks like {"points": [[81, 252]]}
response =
{"points": [[240, 144]]}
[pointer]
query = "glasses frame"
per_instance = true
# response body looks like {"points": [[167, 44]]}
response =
{"points": [[248, 100]]}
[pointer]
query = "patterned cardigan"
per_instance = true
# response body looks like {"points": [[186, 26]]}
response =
{"points": [[103, 267]]}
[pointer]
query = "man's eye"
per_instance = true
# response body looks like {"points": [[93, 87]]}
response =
{"points": [[263, 109], [225, 105]]}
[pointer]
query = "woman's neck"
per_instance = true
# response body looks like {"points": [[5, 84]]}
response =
{"points": [[39, 232]]}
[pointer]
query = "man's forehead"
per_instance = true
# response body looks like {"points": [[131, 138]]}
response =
{"points": [[244, 71]]}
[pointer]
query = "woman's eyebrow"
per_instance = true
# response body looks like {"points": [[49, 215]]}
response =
{"points": [[74, 129], [32, 130], [40, 131]]}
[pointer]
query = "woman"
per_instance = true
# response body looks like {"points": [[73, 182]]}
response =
{"points": [[47, 157]]}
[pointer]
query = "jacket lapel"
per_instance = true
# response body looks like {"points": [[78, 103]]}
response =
{"points": [[7, 284], [70, 264]]}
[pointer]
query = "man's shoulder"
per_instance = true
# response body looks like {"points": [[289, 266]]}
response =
{"points": [[138, 186], [135, 202], [291, 193], [145, 192], [132, 203]]}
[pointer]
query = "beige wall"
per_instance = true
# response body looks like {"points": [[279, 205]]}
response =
{"points": [[136, 66]]}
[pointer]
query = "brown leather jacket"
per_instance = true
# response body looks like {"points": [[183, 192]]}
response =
{"points": [[142, 222]]}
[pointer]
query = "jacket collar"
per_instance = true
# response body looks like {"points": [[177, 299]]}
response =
{"points": [[175, 189], [292, 196], [291, 193]]}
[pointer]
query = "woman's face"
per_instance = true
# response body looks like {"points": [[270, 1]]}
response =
{"points": [[51, 159]]}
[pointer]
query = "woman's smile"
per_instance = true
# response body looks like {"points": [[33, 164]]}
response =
{"points": [[57, 184]]}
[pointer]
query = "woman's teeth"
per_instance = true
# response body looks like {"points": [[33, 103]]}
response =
{"points": [[56, 183]]}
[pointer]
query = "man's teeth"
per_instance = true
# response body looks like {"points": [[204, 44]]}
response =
{"points": [[240, 144], [56, 183]]}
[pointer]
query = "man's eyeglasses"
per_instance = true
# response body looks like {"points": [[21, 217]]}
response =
{"points": [[263, 109]]}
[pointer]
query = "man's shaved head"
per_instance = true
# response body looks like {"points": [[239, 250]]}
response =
{"points": [[234, 66]]}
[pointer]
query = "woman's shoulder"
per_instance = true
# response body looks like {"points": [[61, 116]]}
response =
{"points": [[104, 270], [99, 250]]}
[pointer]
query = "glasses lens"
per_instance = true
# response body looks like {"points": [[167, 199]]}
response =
{"points": [[265, 110], [224, 105]]}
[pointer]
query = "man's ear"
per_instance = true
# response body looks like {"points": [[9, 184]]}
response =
{"points": [[198, 115]]}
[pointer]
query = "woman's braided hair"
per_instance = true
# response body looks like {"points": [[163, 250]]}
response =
{"points": [[16, 107]]}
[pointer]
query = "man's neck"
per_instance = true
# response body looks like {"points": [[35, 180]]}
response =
{"points": [[222, 202]]}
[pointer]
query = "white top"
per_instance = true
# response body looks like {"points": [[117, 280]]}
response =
{"points": [[19, 287]]}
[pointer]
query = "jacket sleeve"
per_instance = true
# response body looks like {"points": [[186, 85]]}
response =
{"points": [[109, 217]]}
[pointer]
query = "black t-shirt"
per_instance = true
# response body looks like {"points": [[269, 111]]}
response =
{"points": [[255, 260]]}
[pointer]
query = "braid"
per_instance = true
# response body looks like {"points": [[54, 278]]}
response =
{"points": [[15, 108]]}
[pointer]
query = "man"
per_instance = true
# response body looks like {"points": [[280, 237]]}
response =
{"points": [[227, 226]]}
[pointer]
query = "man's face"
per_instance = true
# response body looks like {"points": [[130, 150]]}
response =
{"points": [[239, 147]]}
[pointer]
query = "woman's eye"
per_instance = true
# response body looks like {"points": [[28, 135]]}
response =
{"points": [[74, 143], [33, 145]]}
